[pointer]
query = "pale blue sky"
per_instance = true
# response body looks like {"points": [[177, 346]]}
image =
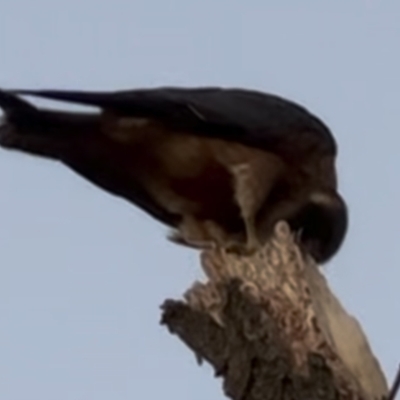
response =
{"points": [[83, 273]]}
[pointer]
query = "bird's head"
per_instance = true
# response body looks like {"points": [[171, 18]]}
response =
{"points": [[321, 224]]}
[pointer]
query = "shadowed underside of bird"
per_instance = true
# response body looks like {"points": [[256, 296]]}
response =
{"points": [[218, 166]]}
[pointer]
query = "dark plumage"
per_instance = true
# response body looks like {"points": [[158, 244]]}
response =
{"points": [[218, 165]]}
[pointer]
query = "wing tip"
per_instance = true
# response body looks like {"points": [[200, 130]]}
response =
{"points": [[93, 98], [10, 102]]}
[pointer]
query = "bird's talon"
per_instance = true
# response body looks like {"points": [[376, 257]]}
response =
{"points": [[241, 249]]}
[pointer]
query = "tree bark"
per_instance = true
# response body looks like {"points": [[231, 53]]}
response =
{"points": [[272, 329]]}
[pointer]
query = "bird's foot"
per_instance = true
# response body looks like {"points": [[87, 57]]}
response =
{"points": [[242, 249], [252, 244]]}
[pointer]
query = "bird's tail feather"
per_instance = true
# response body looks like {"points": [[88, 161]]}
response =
{"points": [[44, 132]]}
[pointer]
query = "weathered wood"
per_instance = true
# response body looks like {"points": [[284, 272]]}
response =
{"points": [[272, 328]]}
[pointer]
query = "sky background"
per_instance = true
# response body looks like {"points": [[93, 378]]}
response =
{"points": [[83, 273]]}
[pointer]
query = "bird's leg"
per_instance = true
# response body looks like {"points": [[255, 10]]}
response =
{"points": [[253, 181], [248, 201], [252, 242]]}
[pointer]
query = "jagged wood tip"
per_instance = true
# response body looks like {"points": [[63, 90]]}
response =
{"points": [[272, 328]]}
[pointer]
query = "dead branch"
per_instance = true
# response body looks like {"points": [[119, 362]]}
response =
{"points": [[272, 329]]}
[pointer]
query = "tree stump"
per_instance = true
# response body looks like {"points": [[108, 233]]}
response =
{"points": [[272, 329]]}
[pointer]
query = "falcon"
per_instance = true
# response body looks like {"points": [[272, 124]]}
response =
{"points": [[219, 166]]}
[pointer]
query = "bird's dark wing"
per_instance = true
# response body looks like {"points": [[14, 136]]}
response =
{"points": [[156, 148], [105, 177], [42, 132], [249, 117]]}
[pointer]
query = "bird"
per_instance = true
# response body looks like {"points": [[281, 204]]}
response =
{"points": [[219, 166]]}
